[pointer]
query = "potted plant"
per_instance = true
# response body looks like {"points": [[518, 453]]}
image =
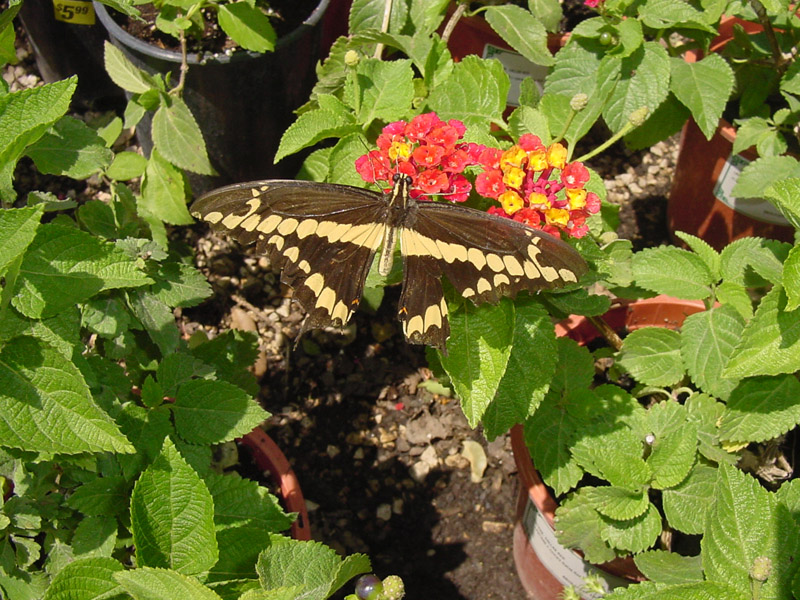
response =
{"points": [[110, 415]]}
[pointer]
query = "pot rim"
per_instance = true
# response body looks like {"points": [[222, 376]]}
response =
{"points": [[194, 58]]}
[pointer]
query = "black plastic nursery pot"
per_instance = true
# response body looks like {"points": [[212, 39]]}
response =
{"points": [[243, 102], [67, 39]]}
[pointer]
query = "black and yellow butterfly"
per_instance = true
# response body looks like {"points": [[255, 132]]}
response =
{"points": [[324, 237]]}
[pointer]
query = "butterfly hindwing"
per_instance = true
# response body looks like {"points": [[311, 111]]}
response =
{"points": [[321, 236]]}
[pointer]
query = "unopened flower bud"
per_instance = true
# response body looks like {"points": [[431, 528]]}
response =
{"points": [[579, 102], [393, 588], [761, 569], [351, 58], [639, 116]]}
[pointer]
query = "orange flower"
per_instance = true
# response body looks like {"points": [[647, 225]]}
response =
{"points": [[557, 156]]}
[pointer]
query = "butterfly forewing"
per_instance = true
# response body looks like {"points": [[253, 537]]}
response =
{"points": [[323, 237]]}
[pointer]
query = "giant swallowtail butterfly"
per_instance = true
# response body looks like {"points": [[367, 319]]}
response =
{"points": [[324, 237]]}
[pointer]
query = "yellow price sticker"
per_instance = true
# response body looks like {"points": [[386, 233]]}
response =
{"points": [[78, 12]]}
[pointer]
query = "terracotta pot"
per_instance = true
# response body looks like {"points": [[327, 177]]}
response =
{"points": [[268, 457], [243, 102], [700, 202], [544, 566]]}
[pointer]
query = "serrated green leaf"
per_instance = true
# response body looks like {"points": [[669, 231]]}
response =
{"points": [[526, 119], [735, 295], [575, 70], [18, 227], [705, 590], [704, 250], [385, 90], [708, 339], [763, 172], [105, 316], [522, 31], [231, 354], [791, 279], [703, 87], [123, 72], [64, 266], [163, 192], [653, 356], [95, 537], [342, 160], [172, 516], [211, 412], [247, 25], [761, 408], [674, 446], [634, 535], [580, 526], [180, 284], [785, 194], [615, 456], [177, 137], [86, 579], [478, 352], [672, 271], [618, 503], [771, 340], [46, 404], [310, 564], [312, 127], [521, 390], [476, 92], [146, 583], [547, 435], [70, 148], [101, 496], [98, 218], [24, 117], [126, 165], [427, 16], [368, 14], [669, 568], [61, 331], [644, 83], [157, 319], [686, 504], [743, 524], [663, 14]]}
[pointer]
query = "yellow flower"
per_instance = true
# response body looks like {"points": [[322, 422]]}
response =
{"points": [[399, 149], [557, 156], [512, 157], [510, 201], [537, 160], [538, 199], [513, 177], [557, 216], [576, 197]]}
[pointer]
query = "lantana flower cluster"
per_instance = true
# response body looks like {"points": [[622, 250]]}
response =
{"points": [[532, 183], [429, 150], [535, 185]]}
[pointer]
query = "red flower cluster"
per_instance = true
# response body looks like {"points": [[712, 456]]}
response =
{"points": [[427, 149], [520, 180]]}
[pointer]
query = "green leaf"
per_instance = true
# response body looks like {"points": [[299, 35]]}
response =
{"points": [[101, 496], [791, 279], [704, 250], [427, 16], [24, 117], [61, 331], [615, 456], [98, 218], [653, 356], [18, 227], [163, 192], [180, 284], [743, 524], [64, 266], [634, 535], [522, 31], [47, 406], [342, 160], [368, 14], [686, 504], [761, 408], [763, 172], [157, 319], [86, 579], [521, 390], [70, 148], [771, 340], [231, 354], [703, 87], [759, 132], [127, 165], [669, 568], [708, 339], [177, 137], [211, 412], [705, 590], [581, 526], [385, 90], [526, 119], [618, 503], [674, 447], [105, 316], [672, 271], [785, 194], [575, 70], [476, 92], [172, 516], [478, 352], [147, 583], [124, 73], [644, 83], [314, 126], [247, 25], [95, 536], [312, 565], [547, 435]]}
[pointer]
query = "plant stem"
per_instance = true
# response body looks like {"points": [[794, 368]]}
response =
{"points": [[607, 332], [454, 18], [178, 89], [780, 62], [622, 132], [387, 13]]}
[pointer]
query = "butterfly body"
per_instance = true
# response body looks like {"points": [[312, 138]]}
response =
{"points": [[324, 237]]}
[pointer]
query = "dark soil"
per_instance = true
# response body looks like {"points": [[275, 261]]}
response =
{"points": [[376, 443]]}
